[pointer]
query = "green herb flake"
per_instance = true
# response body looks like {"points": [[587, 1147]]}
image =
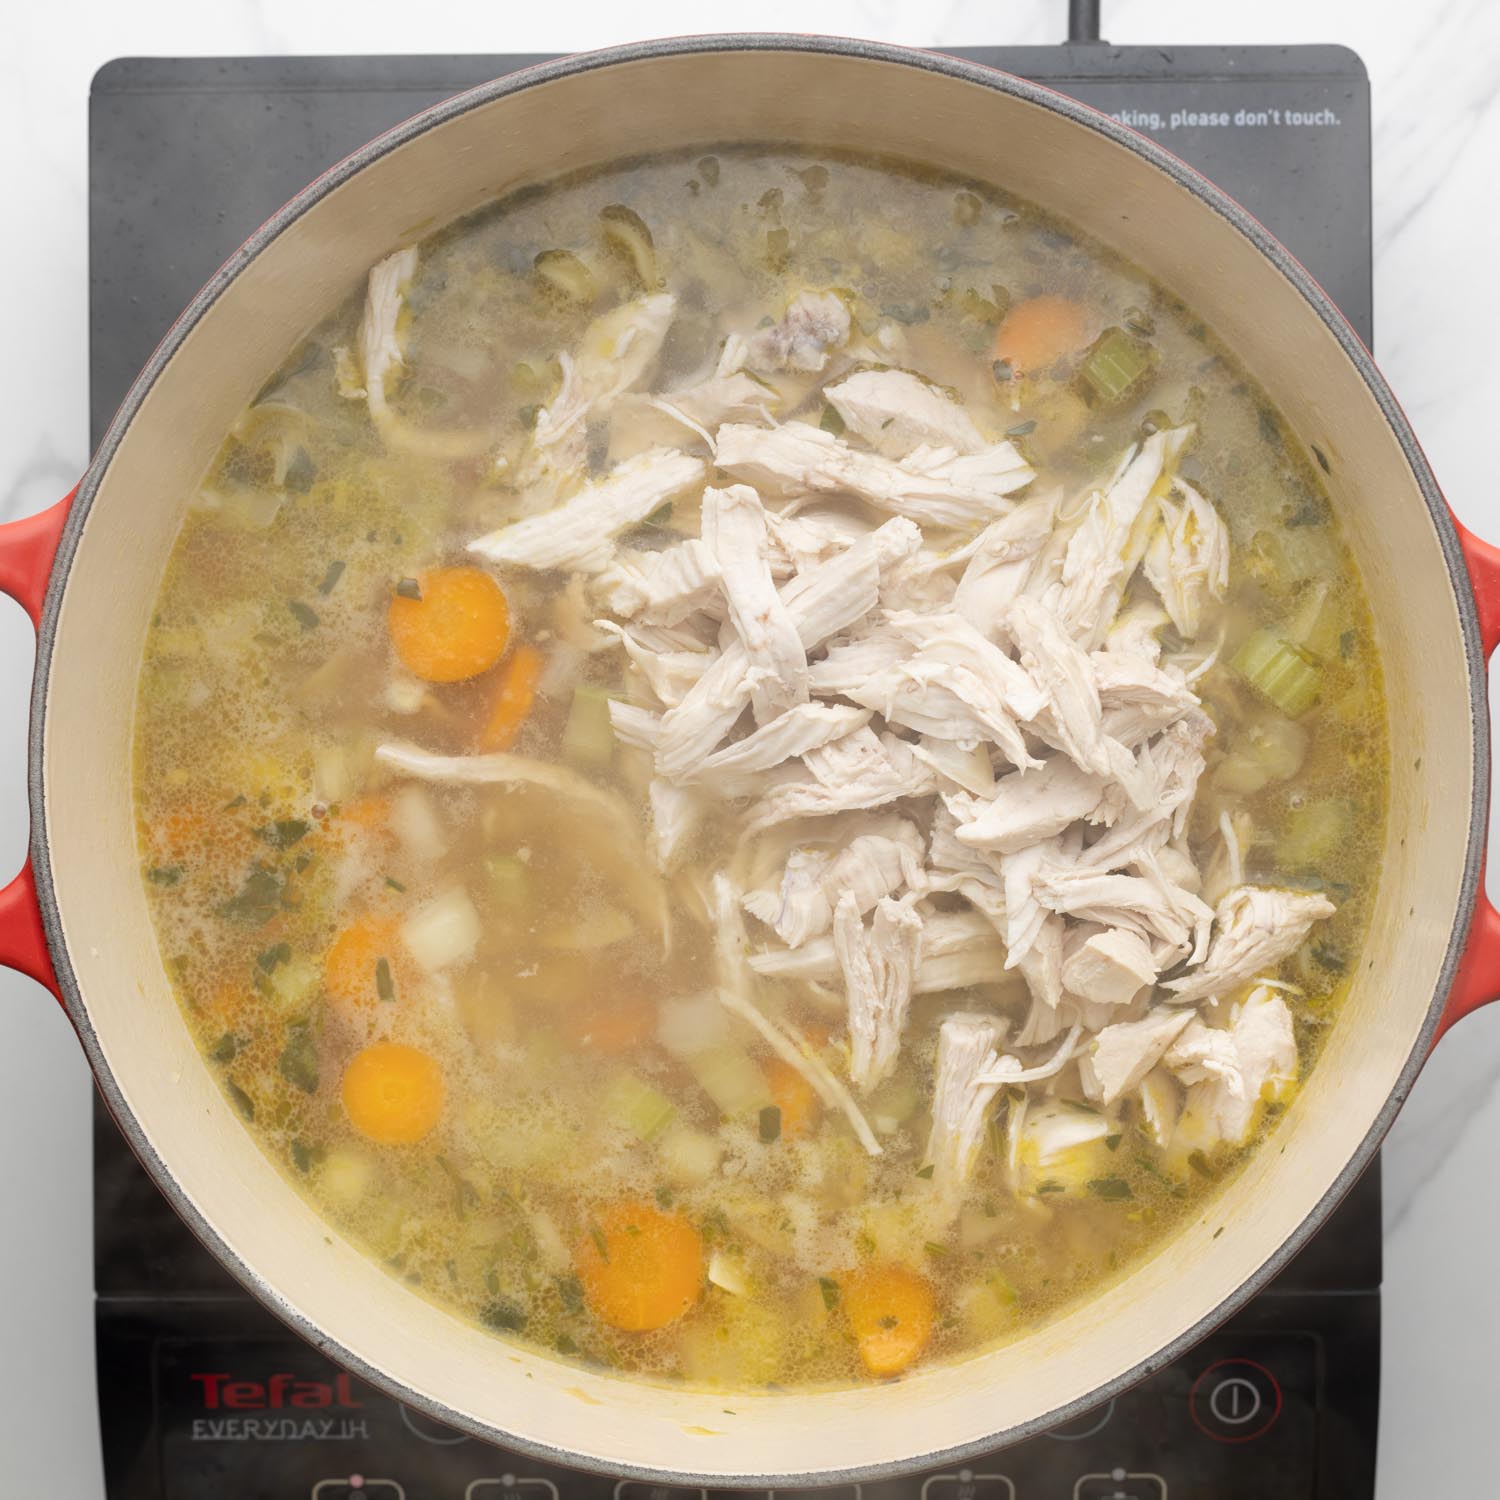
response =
{"points": [[241, 1100], [570, 1290], [331, 578], [235, 802], [830, 1289], [224, 1049], [385, 986], [1110, 1189], [770, 1123], [831, 421], [1202, 1166], [409, 588], [1021, 429], [395, 885], [284, 832], [304, 614], [305, 1157], [298, 1062], [1049, 1187], [270, 959], [925, 1172], [1002, 371], [1112, 1142], [600, 1243], [564, 1345], [665, 1197], [258, 899], [933, 1248], [504, 1316]]}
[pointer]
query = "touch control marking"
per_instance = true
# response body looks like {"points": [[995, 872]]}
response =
{"points": [[1119, 1478], [1235, 1401], [377, 1489], [966, 1481], [478, 1488]]}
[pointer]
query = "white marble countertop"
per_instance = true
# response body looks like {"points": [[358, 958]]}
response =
{"points": [[1437, 309]]}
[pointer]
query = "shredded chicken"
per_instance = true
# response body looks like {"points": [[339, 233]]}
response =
{"points": [[960, 1103], [878, 963], [894, 412], [814, 324], [1254, 929]]}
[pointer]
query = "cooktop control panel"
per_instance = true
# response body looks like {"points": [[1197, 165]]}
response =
{"points": [[213, 1400]]}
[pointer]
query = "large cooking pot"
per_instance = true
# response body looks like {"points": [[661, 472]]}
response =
{"points": [[88, 570]]}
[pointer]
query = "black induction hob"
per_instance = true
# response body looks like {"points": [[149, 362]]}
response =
{"points": [[204, 1395]]}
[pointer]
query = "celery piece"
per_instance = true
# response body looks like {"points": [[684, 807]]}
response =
{"points": [[641, 1109], [1116, 365], [509, 880], [588, 737], [732, 1080], [563, 274], [626, 234], [1283, 674]]}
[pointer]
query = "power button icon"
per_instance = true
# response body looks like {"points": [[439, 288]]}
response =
{"points": [[1235, 1401]]}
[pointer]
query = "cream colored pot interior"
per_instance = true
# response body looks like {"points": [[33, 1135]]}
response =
{"points": [[663, 103]]}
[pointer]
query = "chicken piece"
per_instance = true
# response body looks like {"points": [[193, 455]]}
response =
{"points": [[1226, 867], [735, 993], [676, 815], [1064, 675], [733, 771], [614, 355], [1027, 807], [382, 354], [1008, 1069], [734, 532], [813, 324], [1109, 968], [738, 397], [1002, 560], [1106, 546], [1160, 1100], [798, 907], [933, 486], [1227, 1091], [662, 588], [1133, 902], [895, 411], [960, 1104], [670, 671], [878, 964], [821, 602], [966, 766], [952, 942], [1024, 914], [1255, 927], [1137, 698], [1134, 631], [579, 534], [1187, 559], [1118, 1059], [634, 725], [1041, 967], [1058, 1146], [860, 770], [812, 535]]}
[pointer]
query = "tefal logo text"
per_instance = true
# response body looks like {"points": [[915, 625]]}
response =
{"points": [[222, 1390]]}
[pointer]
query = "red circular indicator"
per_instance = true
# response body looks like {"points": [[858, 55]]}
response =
{"points": [[1235, 1401]]}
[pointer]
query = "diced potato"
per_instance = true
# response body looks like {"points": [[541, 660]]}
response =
{"points": [[689, 1157], [346, 1176]]}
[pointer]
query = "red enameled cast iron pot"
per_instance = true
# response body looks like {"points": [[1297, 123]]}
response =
{"points": [[88, 569]]}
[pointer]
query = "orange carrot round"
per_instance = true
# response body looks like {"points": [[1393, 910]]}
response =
{"points": [[351, 966], [1040, 331], [640, 1268], [456, 629], [793, 1095], [392, 1093], [514, 695], [891, 1312]]}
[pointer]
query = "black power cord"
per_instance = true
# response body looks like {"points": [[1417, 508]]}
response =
{"points": [[1083, 20]]}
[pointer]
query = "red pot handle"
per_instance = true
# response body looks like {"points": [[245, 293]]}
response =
{"points": [[1478, 979], [27, 548]]}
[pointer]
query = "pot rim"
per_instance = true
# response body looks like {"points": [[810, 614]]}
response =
{"points": [[960, 70]]}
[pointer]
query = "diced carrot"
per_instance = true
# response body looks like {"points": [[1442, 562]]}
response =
{"points": [[640, 1268], [392, 1093], [614, 1025], [514, 693], [351, 967], [793, 1096], [1040, 331], [371, 811], [454, 625], [891, 1312]]}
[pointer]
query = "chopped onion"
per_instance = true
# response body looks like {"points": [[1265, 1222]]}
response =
{"points": [[728, 1273], [688, 1027], [415, 821], [444, 932]]}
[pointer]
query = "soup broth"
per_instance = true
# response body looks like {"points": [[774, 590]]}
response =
{"points": [[760, 767]]}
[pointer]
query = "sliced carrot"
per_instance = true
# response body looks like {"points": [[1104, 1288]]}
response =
{"points": [[891, 1312], [352, 978], [1040, 331], [370, 811], [640, 1268], [454, 625], [513, 698], [392, 1093], [793, 1096], [614, 1025]]}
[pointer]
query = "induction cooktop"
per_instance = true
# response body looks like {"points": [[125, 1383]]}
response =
{"points": [[203, 1395]]}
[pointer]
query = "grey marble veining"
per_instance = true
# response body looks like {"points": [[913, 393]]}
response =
{"points": [[1435, 84]]}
